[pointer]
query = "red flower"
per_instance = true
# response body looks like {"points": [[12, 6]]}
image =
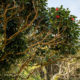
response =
{"points": [[72, 19], [57, 16], [57, 9]]}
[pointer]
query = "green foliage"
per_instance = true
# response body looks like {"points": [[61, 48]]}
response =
{"points": [[57, 21], [67, 27]]}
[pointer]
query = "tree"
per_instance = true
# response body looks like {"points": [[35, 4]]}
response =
{"points": [[27, 31]]}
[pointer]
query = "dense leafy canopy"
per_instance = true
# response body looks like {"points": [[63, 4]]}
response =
{"points": [[28, 27]]}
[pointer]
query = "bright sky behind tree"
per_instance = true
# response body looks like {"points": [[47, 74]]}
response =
{"points": [[73, 5]]}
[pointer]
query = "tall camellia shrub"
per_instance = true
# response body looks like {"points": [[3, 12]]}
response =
{"points": [[63, 22]]}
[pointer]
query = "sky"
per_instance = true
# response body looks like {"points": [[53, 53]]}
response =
{"points": [[73, 5]]}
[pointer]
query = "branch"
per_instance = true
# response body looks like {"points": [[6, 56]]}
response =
{"points": [[25, 64], [25, 26]]}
